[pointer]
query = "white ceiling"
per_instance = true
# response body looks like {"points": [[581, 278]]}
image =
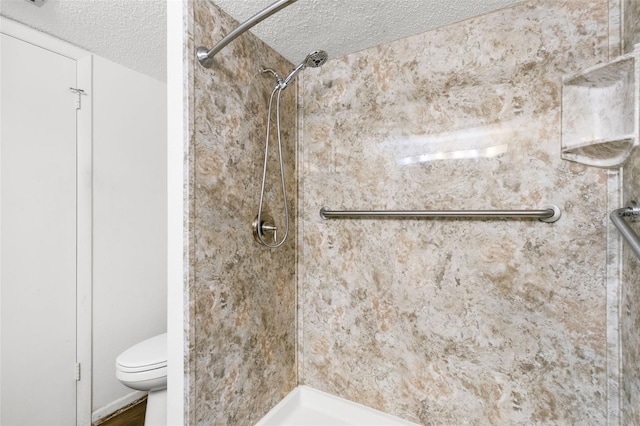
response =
{"points": [[133, 32], [346, 26], [130, 32]]}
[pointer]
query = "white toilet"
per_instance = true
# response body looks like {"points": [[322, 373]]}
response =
{"points": [[144, 367]]}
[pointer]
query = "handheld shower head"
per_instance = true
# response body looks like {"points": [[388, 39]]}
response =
{"points": [[314, 59]]}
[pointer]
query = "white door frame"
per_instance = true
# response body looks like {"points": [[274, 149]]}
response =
{"points": [[84, 204], [177, 143]]}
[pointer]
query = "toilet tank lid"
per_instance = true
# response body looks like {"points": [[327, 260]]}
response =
{"points": [[148, 354]]}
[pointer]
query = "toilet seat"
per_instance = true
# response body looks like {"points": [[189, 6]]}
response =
{"points": [[144, 365], [147, 355]]}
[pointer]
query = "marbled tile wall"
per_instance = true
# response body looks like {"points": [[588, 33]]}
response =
{"points": [[630, 288], [630, 306], [243, 295], [630, 24], [456, 321]]}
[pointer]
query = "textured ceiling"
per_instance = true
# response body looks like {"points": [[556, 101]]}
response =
{"points": [[133, 32], [346, 26], [130, 32]]}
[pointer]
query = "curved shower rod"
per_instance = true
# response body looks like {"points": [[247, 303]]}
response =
{"points": [[205, 56]]}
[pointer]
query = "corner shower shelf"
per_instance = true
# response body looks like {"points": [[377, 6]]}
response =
{"points": [[600, 110]]}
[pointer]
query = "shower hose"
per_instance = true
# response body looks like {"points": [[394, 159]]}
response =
{"points": [[278, 88]]}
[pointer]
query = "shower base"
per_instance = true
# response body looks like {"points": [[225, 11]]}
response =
{"points": [[306, 406]]}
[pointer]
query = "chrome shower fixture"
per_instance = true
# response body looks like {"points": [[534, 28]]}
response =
{"points": [[279, 80], [264, 224], [314, 59]]}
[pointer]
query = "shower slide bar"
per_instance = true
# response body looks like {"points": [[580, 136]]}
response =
{"points": [[550, 214], [617, 217], [205, 56]]}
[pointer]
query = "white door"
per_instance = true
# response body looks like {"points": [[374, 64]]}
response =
{"points": [[38, 235]]}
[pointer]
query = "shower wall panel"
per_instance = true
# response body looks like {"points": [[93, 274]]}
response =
{"points": [[456, 321], [630, 24], [243, 295], [630, 306], [630, 287]]}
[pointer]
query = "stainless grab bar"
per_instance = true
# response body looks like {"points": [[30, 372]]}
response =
{"points": [[205, 56], [550, 214], [617, 217]]}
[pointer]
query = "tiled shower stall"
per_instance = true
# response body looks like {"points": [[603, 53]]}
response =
{"points": [[436, 321]]}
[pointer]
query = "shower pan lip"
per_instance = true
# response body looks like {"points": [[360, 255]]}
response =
{"points": [[305, 402]]}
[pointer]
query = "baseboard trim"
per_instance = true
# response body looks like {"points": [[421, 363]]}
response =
{"points": [[103, 414]]}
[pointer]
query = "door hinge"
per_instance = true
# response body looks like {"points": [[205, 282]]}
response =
{"points": [[78, 370], [79, 93]]}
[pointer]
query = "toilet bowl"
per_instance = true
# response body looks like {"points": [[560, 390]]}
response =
{"points": [[144, 367]]}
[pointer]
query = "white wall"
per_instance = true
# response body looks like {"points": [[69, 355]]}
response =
{"points": [[129, 300], [129, 218]]}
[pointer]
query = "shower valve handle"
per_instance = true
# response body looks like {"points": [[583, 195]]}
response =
{"points": [[264, 226], [270, 228]]}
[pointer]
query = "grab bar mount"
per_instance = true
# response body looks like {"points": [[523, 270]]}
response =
{"points": [[617, 217]]}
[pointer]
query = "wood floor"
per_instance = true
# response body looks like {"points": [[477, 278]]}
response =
{"points": [[133, 415]]}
